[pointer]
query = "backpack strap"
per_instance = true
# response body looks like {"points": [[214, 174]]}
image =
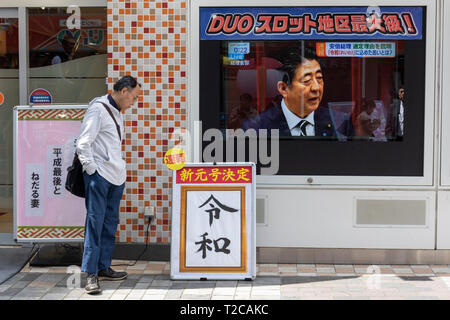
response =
{"points": [[114, 119]]}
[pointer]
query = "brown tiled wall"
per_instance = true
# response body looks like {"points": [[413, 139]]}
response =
{"points": [[147, 39]]}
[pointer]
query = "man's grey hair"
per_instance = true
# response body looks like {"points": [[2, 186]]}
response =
{"points": [[126, 82]]}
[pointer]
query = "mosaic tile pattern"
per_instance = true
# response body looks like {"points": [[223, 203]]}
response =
{"points": [[147, 39]]}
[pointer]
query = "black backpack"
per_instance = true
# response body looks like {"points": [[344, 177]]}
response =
{"points": [[74, 179]]}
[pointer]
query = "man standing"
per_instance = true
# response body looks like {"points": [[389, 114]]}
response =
{"points": [[396, 119], [299, 113], [99, 148]]}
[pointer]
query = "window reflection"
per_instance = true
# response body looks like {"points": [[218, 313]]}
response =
{"points": [[70, 64], [9, 47], [50, 41], [9, 97]]}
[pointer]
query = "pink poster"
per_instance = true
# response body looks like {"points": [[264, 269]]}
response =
{"points": [[45, 147]]}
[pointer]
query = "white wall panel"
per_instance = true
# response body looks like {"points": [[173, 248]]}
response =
{"points": [[445, 119], [326, 219]]}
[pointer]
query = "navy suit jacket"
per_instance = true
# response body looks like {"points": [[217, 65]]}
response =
{"points": [[274, 118]]}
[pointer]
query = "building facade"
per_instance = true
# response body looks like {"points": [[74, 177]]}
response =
{"points": [[360, 198]]}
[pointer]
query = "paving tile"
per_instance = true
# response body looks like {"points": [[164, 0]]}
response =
{"points": [[128, 284], [326, 274], [10, 292], [267, 274], [259, 297], [146, 278], [268, 269], [53, 296], [274, 281], [31, 292], [110, 284], [421, 270], [39, 270], [122, 291], [362, 266], [56, 290], [323, 265], [42, 284], [173, 294], [153, 297], [53, 277], [224, 291], [161, 283], [20, 284], [287, 268], [137, 266], [156, 291], [4, 288], [306, 269], [267, 280], [341, 269], [242, 297], [25, 298], [118, 297], [199, 291], [30, 276], [58, 270], [162, 277], [74, 293], [403, 270], [268, 265], [222, 298], [141, 285], [306, 274], [134, 297], [195, 297], [134, 271], [399, 266], [151, 272], [386, 270], [155, 267], [306, 265]]}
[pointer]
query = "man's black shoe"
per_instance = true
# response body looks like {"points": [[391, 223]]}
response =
{"points": [[110, 274], [92, 286]]}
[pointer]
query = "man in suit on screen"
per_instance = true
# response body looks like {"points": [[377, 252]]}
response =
{"points": [[299, 112]]}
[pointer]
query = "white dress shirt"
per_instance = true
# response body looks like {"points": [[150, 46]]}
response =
{"points": [[293, 121], [98, 145]]}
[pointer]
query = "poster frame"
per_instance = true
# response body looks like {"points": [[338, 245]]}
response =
{"points": [[214, 273], [16, 110]]}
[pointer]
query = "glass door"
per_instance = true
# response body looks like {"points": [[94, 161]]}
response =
{"points": [[9, 97]]}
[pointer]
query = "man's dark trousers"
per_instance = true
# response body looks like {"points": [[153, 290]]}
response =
{"points": [[102, 205]]}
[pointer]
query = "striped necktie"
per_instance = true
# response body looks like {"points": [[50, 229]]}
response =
{"points": [[302, 125]]}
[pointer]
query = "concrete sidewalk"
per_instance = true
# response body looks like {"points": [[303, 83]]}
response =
{"points": [[151, 280]]}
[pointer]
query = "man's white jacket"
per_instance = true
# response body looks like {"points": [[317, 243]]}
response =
{"points": [[98, 145]]}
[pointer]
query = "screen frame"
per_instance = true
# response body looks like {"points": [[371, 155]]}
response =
{"points": [[445, 111], [429, 151]]}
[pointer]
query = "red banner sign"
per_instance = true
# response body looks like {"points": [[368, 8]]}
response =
{"points": [[214, 175]]}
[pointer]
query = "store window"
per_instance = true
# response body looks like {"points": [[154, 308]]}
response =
{"points": [[9, 97], [345, 86], [67, 65]]}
